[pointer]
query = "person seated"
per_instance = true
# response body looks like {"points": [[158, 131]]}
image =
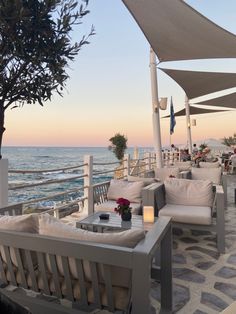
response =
{"points": [[208, 156], [195, 150], [229, 161], [184, 155], [200, 156]]}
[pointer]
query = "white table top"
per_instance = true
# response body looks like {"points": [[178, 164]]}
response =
{"points": [[114, 222]]}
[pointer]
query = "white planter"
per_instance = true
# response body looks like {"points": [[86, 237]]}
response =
{"points": [[3, 182]]}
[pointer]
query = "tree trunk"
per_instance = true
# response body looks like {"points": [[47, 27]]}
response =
{"points": [[2, 129]]}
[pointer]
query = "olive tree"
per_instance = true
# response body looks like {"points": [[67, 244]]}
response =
{"points": [[118, 145], [35, 50]]}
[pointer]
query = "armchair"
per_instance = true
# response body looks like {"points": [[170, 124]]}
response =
{"points": [[191, 204]]}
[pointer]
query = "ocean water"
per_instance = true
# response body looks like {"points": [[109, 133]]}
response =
{"points": [[48, 158]]}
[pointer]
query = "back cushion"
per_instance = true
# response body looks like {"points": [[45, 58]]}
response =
{"points": [[146, 181], [125, 189], [23, 223], [206, 164], [183, 165], [51, 226], [189, 192], [163, 173], [212, 174]]}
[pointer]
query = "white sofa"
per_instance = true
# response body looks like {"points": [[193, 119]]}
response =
{"points": [[92, 270]]}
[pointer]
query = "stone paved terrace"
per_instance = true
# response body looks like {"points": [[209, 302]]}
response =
{"points": [[204, 281]]}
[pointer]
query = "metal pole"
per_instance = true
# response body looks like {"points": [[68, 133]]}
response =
{"points": [[189, 136], [155, 113]]}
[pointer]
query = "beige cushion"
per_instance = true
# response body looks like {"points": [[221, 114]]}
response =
{"points": [[189, 192], [164, 173], [51, 226], [183, 165], [199, 215], [207, 164], [146, 181], [110, 205], [22, 223], [125, 189], [212, 174]]}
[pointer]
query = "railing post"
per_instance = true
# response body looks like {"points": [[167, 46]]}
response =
{"points": [[3, 182], [126, 165], [147, 157], [88, 182]]}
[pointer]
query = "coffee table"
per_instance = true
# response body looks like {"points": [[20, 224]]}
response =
{"points": [[94, 223]]}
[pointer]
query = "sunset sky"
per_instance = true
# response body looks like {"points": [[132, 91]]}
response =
{"points": [[109, 87]]}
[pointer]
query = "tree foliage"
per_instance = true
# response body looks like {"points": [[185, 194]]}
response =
{"points": [[35, 49], [230, 141], [118, 145]]}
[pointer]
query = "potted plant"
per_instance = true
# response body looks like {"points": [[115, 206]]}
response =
{"points": [[123, 209]]}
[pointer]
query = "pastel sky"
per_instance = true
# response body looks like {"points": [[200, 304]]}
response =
{"points": [[109, 88]]}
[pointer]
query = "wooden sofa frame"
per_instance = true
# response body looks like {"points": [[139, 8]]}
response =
{"points": [[155, 196], [138, 260]]}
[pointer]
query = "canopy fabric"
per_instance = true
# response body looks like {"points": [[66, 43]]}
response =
{"points": [[196, 83], [176, 31], [223, 101], [195, 110]]}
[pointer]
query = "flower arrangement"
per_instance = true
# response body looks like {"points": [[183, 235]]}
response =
{"points": [[123, 206]]}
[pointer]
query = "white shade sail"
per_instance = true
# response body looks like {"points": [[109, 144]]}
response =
{"points": [[223, 101], [178, 32], [196, 83], [195, 110]]}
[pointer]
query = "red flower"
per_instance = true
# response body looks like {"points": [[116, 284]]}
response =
{"points": [[123, 206], [123, 201]]}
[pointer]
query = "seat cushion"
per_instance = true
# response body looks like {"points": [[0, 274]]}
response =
{"points": [[110, 205], [199, 215], [212, 174], [163, 173], [189, 192], [125, 189]]}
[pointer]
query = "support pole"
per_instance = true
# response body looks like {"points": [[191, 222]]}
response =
{"points": [[3, 182], [155, 113], [88, 182], [189, 136]]}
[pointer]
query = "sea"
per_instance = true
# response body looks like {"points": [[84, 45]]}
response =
{"points": [[48, 158]]}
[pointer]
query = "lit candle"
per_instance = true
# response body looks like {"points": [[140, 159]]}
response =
{"points": [[148, 214]]}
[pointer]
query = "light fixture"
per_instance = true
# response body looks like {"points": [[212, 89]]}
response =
{"points": [[148, 213], [163, 103], [194, 122]]}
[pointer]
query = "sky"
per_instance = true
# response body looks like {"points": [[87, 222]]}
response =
{"points": [[109, 88]]}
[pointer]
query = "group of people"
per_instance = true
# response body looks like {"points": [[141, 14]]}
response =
{"points": [[202, 154], [228, 160], [198, 154]]}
